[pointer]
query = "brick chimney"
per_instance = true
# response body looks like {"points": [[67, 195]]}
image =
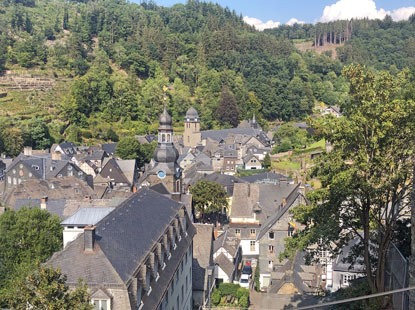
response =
{"points": [[134, 189], [43, 202], [89, 238], [27, 151], [56, 156], [284, 201]]}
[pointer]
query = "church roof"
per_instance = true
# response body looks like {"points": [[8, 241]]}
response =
{"points": [[192, 113]]}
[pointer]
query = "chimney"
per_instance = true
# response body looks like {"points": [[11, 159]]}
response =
{"points": [[134, 189], [284, 201], [89, 238], [56, 155], [43, 202], [27, 151]]}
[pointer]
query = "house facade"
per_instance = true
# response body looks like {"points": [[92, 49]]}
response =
{"points": [[260, 219]]}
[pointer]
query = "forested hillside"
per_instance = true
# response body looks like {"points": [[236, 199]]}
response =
{"points": [[382, 44], [110, 64]]}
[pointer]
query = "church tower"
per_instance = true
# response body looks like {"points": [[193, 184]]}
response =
{"points": [[192, 136], [165, 168]]}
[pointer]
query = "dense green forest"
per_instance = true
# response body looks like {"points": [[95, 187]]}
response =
{"points": [[382, 44], [116, 63]]}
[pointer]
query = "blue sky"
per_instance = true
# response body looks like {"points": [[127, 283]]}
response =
{"points": [[281, 11]]}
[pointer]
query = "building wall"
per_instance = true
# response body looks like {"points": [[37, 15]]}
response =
{"points": [[220, 274], [246, 248], [181, 279], [70, 234], [192, 136]]}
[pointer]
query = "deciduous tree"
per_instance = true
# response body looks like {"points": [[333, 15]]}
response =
{"points": [[367, 177], [46, 288], [208, 197]]}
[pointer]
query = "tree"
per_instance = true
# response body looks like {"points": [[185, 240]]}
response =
{"points": [[227, 111], [27, 236], [208, 197], [128, 148], [13, 141], [111, 135], [366, 179], [267, 162], [256, 279], [39, 134], [46, 288]]}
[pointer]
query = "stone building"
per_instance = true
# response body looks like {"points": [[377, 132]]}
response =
{"points": [[164, 167], [132, 259], [192, 136]]}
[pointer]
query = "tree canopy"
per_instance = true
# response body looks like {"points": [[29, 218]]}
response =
{"points": [[46, 288], [367, 177], [27, 237], [208, 197]]}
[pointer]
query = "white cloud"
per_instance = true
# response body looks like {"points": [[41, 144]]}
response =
{"points": [[347, 9], [403, 13], [293, 21], [259, 24]]}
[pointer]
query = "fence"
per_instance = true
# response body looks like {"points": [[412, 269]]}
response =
{"points": [[397, 277]]}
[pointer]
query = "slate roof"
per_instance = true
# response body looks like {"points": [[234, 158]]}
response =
{"points": [[266, 177], [109, 148], [54, 206], [270, 197], [230, 244], [341, 264], [221, 134], [225, 264], [56, 188], [87, 216], [117, 254], [202, 254], [65, 208], [225, 180]]}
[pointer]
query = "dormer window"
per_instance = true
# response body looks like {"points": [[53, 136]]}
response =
{"points": [[140, 303]]}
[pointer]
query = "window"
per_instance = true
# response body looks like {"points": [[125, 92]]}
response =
{"points": [[253, 232], [186, 282], [237, 232], [178, 302], [101, 304], [270, 264], [271, 249], [172, 287], [182, 292], [347, 278], [181, 267], [252, 245], [271, 235]]}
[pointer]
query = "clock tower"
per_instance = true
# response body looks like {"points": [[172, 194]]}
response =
{"points": [[165, 168]]}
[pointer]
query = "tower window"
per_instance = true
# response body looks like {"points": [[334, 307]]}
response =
{"points": [[163, 137]]}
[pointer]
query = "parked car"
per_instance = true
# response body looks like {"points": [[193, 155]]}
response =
{"points": [[247, 269], [244, 281]]}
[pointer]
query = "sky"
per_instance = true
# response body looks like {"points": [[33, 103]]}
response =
{"points": [[272, 13]]}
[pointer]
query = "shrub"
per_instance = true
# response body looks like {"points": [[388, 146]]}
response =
{"points": [[228, 289], [216, 296]]}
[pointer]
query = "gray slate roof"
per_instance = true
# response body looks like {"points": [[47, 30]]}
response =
{"points": [[118, 253], [225, 264], [266, 177], [109, 148], [54, 206], [221, 134]]}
